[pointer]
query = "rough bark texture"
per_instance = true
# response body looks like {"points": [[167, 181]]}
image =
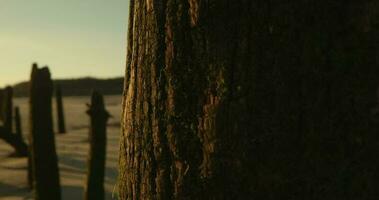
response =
{"points": [[44, 160], [60, 110], [250, 99], [94, 187]]}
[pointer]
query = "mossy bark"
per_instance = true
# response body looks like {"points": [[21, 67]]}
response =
{"points": [[250, 99], [60, 111], [94, 187], [44, 159]]}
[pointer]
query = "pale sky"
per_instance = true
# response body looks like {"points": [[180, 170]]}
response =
{"points": [[75, 38]]}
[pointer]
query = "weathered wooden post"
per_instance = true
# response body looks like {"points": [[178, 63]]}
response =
{"points": [[44, 160], [2, 99], [6, 116], [8, 120], [94, 186], [60, 111], [21, 149], [17, 120]]}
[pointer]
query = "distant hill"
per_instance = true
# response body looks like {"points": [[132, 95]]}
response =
{"points": [[79, 87]]}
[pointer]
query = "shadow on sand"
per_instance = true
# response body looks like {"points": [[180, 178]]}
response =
{"points": [[80, 166], [74, 192], [75, 168], [12, 191]]}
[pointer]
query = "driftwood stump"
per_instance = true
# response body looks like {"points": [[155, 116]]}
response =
{"points": [[60, 110], [44, 160], [6, 116], [94, 187], [17, 121]]}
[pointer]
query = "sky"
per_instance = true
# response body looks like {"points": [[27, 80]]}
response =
{"points": [[75, 38]]}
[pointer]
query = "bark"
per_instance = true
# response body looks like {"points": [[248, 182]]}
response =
{"points": [[250, 99], [60, 110], [94, 187], [44, 160]]}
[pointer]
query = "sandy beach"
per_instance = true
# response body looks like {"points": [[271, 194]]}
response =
{"points": [[72, 149]]}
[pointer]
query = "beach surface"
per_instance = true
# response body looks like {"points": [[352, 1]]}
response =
{"points": [[72, 149]]}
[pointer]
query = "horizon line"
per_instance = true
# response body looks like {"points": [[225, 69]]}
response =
{"points": [[67, 78]]}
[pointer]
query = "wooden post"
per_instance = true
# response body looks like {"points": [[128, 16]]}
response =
{"points": [[8, 121], [94, 188], [2, 106], [60, 111], [17, 119], [21, 149], [6, 134], [44, 160]]}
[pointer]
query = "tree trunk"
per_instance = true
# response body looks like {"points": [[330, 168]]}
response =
{"points": [[43, 154], [60, 110], [250, 99], [94, 188]]}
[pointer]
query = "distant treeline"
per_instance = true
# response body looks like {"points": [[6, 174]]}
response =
{"points": [[78, 87]]}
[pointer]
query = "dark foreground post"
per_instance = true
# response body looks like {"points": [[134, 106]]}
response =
{"points": [[43, 154], [94, 188], [60, 111]]}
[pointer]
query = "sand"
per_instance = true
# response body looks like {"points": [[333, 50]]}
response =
{"points": [[72, 149]]}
